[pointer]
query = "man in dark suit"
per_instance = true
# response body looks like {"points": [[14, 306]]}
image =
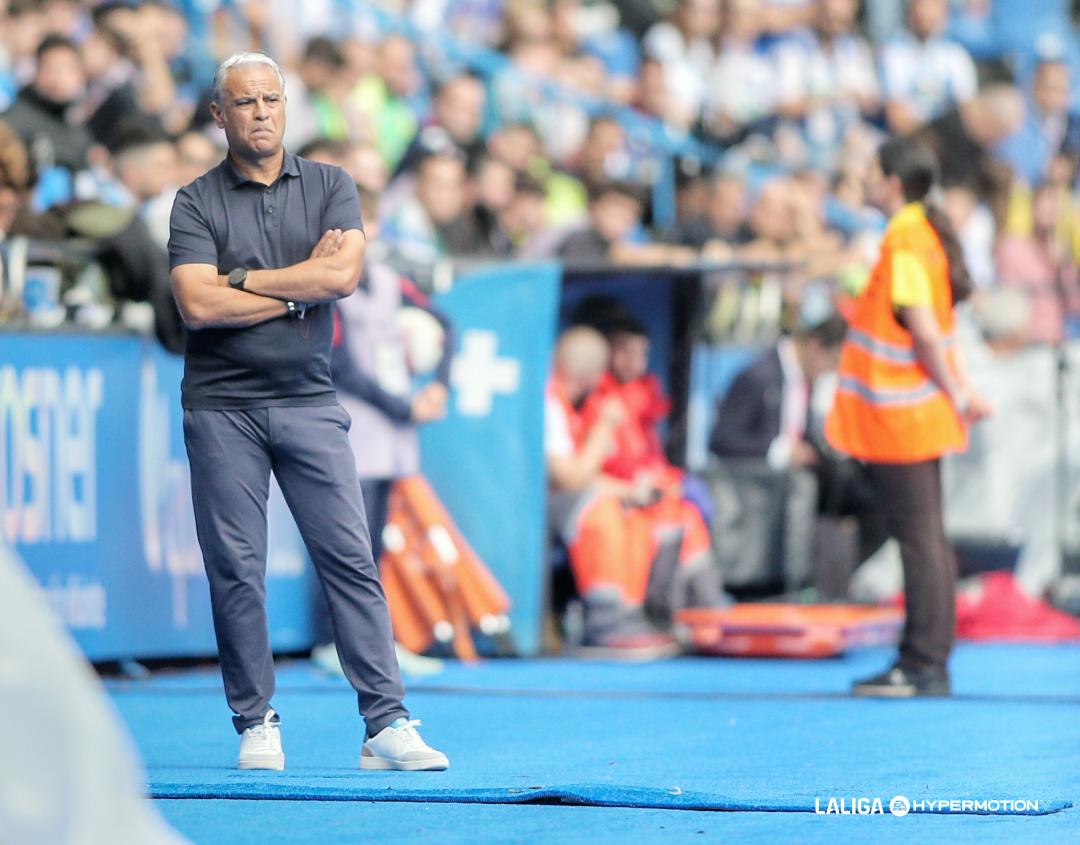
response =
{"points": [[766, 411], [776, 473]]}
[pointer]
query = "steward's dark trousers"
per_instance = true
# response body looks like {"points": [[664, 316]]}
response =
{"points": [[911, 503], [232, 454]]}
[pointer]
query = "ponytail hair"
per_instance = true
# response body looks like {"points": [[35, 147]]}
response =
{"points": [[915, 164]]}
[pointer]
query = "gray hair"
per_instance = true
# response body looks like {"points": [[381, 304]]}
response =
{"points": [[236, 60]]}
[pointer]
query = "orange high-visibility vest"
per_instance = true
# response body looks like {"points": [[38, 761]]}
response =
{"points": [[887, 409]]}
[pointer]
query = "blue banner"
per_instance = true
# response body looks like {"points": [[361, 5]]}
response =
{"points": [[95, 497], [485, 459]]}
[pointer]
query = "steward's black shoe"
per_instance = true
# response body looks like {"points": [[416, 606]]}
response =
{"points": [[904, 682]]}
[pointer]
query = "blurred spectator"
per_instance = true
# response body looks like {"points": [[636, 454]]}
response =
{"points": [[923, 71], [385, 98], [826, 79], [111, 96], [593, 30], [518, 145], [434, 222], [741, 97], [317, 109], [14, 178], [195, 154], [458, 115], [21, 31], [153, 36], [493, 187], [724, 218], [145, 164], [965, 140], [611, 544], [40, 113], [615, 210], [686, 46], [1042, 266], [654, 100], [1047, 144], [477, 22], [522, 224], [974, 26]]}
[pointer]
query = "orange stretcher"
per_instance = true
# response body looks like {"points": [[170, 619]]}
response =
{"points": [[789, 630], [438, 589]]}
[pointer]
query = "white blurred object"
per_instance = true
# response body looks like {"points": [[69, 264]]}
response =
{"points": [[880, 577], [69, 773], [423, 338]]}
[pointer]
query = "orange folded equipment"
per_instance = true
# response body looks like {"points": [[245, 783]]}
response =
{"points": [[439, 591], [789, 630]]}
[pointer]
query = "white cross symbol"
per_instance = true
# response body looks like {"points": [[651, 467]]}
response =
{"points": [[478, 373]]}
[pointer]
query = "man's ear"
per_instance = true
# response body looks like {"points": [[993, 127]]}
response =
{"points": [[219, 118]]}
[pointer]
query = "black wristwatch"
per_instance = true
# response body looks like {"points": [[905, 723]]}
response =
{"points": [[237, 278]]}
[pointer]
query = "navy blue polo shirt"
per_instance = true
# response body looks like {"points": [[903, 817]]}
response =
{"points": [[229, 221]]}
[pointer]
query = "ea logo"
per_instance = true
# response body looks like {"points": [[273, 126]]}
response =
{"points": [[899, 806]]}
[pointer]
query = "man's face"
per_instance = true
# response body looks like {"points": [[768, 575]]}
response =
{"points": [[614, 215], [60, 77], [1051, 89], [440, 188], [771, 217], [195, 154], [147, 171], [461, 109], [819, 359], [727, 204], [927, 17], [397, 66], [837, 16], [629, 357], [252, 110]]}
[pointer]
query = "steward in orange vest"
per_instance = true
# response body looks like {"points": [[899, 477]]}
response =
{"points": [[888, 409], [903, 401]]}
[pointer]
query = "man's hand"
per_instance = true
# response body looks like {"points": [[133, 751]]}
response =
{"points": [[429, 404], [803, 454], [328, 244]]}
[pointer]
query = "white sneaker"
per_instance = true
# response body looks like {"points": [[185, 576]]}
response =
{"points": [[400, 747], [260, 746]]}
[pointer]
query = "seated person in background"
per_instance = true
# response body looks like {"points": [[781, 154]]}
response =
{"points": [[611, 544], [766, 419], [766, 412], [637, 459], [613, 231]]}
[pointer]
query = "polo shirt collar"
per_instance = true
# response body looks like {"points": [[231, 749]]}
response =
{"points": [[234, 178]]}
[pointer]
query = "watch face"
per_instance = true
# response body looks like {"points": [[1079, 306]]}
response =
{"points": [[237, 277]]}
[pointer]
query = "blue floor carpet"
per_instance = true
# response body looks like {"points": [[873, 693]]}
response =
{"points": [[218, 822], [1015, 671], [692, 734]]}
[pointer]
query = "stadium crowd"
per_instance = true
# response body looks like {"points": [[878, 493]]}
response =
{"points": [[637, 131]]}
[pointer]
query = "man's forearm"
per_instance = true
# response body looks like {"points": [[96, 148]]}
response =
{"points": [[313, 281], [223, 307]]}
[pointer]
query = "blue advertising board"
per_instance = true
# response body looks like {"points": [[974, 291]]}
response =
{"points": [[485, 460], [95, 498]]}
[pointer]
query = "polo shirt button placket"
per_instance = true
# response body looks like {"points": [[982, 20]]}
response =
{"points": [[271, 220]]}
